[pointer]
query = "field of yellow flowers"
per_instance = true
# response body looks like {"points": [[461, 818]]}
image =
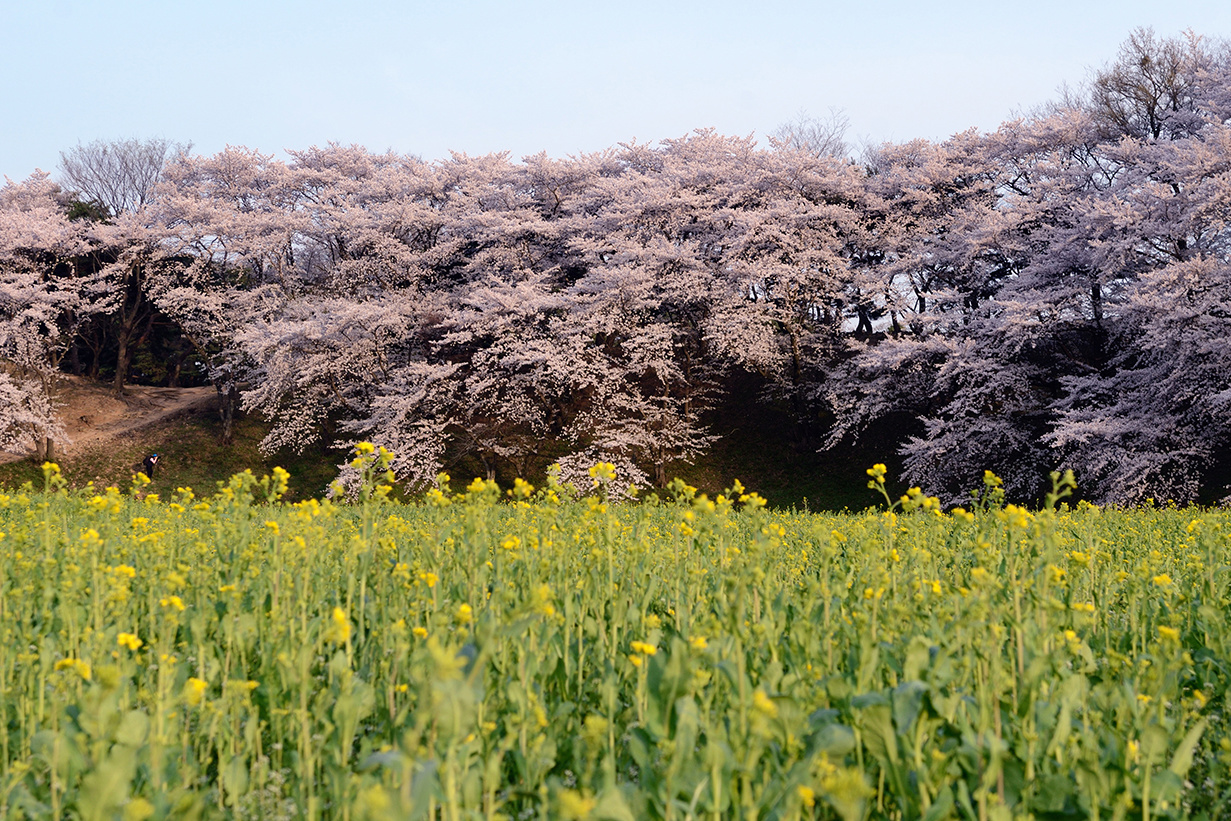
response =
{"points": [[528, 655]]}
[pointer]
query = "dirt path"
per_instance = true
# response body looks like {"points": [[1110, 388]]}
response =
{"points": [[94, 417]]}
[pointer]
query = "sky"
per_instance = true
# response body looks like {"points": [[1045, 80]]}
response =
{"points": [[561, 76]]}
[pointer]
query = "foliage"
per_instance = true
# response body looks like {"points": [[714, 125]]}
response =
{"points": [[1053, 292]]}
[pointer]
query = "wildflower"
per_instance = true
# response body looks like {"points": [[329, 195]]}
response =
{"points": [[806, 795], [340, 630], [172, 601], [464, 614], [764, 704], [78, 666], [419, 632], [1162, 580], [543, 601], [698, 643], [273, 527], [194, 690], [429, 578], [877, 472], [643, 648], [521, 489], [575, 806], [1168, 634], [239, 687], [602, 473], [129, 640]]}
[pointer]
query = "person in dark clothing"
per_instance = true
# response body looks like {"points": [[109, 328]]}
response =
{"points": [[148, 464]]}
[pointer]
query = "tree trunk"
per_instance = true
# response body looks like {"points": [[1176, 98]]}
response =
{"points": [[74, 358], [123, 355], [44, 449], [228, 400]]}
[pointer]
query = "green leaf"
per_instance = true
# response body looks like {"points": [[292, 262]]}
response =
{"points": [[133, 729], [942, 807], [918, 656], [611, 806], [1182, 759], [907, 702]]}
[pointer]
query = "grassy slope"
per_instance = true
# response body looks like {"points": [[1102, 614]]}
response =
{"points": [[760, 445], [190, 456]]}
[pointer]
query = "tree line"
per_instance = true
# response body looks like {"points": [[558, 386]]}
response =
{"points": [[1053, 293]]}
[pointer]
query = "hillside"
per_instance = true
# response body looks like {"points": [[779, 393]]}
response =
{"points": [[111, 435]]}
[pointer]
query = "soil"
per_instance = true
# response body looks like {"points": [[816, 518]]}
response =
{"points": [[95, 417]]}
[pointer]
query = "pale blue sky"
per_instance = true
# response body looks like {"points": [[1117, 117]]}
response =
{"points": [[560, 77]]}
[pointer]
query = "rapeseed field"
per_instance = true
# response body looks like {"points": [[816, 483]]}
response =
{"points": [[528, 654]]}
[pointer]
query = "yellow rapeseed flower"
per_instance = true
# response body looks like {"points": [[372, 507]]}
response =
{"points": [[574, 806], [643, 648], [764, 704], [129, 640], [339, 631], [194, 690], [78, 666]]}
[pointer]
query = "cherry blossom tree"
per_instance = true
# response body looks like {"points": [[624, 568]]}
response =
{"points": [[229, 244], [45, 293]]}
